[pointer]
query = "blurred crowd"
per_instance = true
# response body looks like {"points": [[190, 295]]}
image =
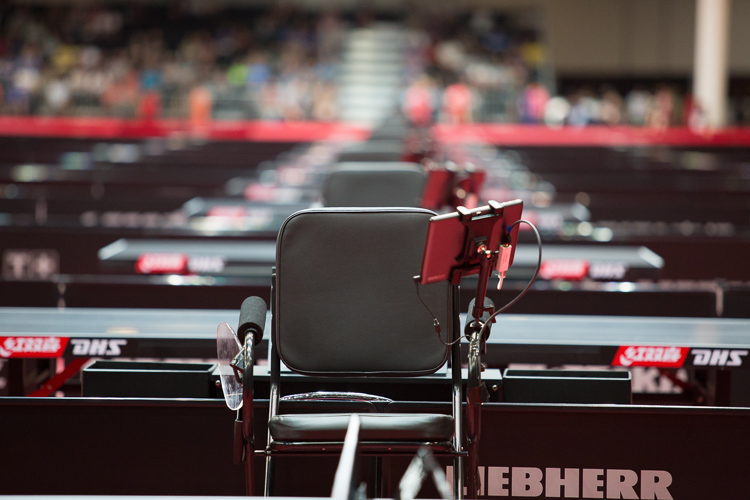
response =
{"points": [[196, 60], [661, 107], [472, 67], [483, 67], [176, 60], [531, 101]]}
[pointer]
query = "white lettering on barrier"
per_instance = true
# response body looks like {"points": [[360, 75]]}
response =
{"points": [[621, 483], [592, 484], [97, 347], [498, 481], [718, 357], [526, 482], [554, 482], [655, 484]]}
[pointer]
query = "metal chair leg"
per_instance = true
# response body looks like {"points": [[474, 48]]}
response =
{"points": [[458, 478], [249, 470], [269, 477], [474, 400]]}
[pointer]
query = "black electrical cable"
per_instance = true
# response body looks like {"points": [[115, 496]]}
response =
{"points": [[435, 321], [506, 306], [531, 281]]}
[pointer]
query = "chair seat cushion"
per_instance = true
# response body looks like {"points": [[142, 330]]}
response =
{"points": [[373, 427]]}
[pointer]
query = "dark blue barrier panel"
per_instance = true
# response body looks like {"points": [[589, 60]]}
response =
{"points": [[736, 302], [163, 447], [615, 452]]}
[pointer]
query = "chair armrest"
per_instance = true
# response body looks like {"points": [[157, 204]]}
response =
{"points": [[252, 319], [244, 438], [247, 388], [250, 332]]}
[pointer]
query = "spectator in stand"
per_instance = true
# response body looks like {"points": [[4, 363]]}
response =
{"points": [[611, 108], [419, 101], [121, 93], [586, 108], [200, 101], [661, 110], [87, 81], [417, 51], [148, 56], [26, 81], [330, 33], [556, 112], [324, 102], [457, 103], [56, 95], [533, 102], [637, 104]]}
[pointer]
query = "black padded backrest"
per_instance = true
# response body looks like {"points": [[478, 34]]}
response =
{"points": [[345, 301], [373, 151], [373, 184]]}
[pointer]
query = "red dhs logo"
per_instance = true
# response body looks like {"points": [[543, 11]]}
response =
{"points": [[660, 356]]}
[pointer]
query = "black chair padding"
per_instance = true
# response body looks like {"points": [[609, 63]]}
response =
{"points": [[373, 427], [345, 301], [385, 150], [372, 184]]}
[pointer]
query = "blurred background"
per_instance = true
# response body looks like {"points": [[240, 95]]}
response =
{"points": [[574, 62]]}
